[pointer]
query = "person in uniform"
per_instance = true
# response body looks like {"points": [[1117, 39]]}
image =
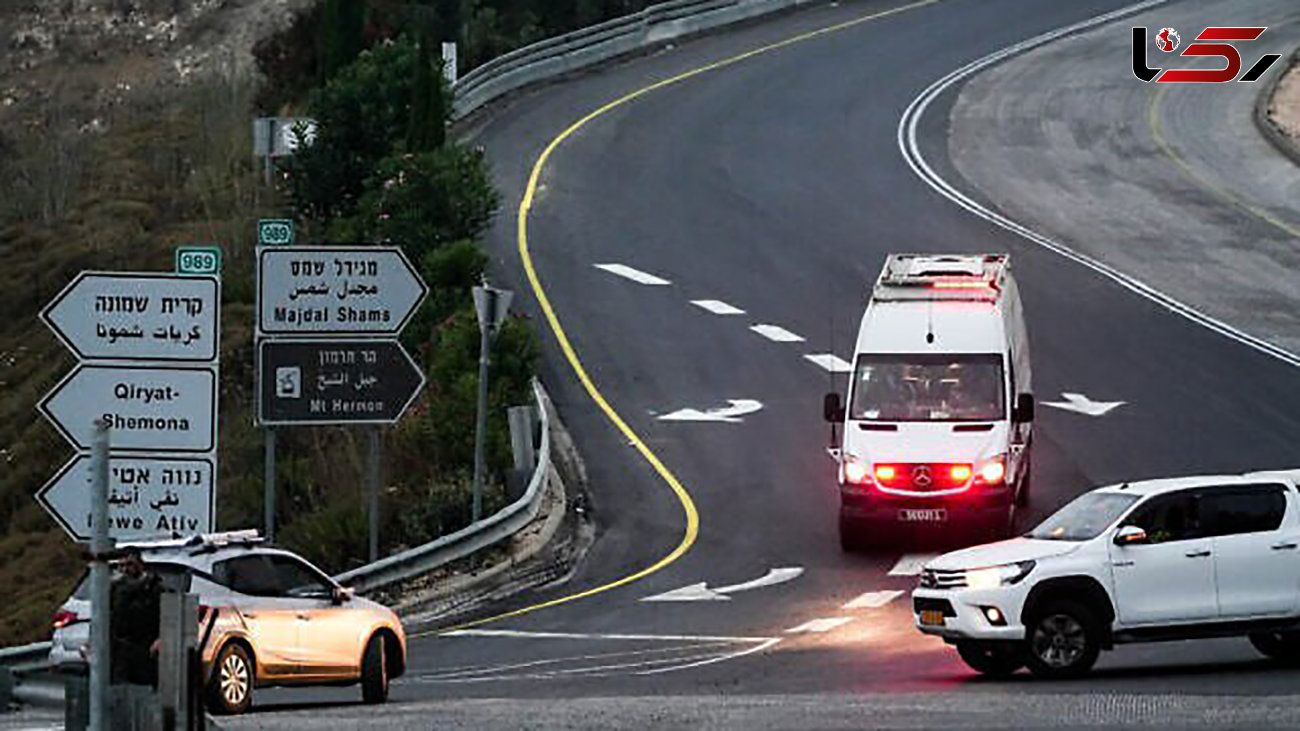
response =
{"points": [[133, 630]]}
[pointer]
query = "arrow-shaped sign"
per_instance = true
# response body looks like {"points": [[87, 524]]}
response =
{"points": [[148, 409], [137, 316], [335, 381], [731, 413], [702, 593], [148, 496], [1081, 404], [320, 290]]}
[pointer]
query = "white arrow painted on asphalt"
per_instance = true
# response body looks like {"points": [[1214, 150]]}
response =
{"points": [[1081, 404], [702, 593], [732, 413]]}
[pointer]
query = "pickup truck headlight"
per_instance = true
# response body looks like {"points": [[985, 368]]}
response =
{"points": [[992, 577]]}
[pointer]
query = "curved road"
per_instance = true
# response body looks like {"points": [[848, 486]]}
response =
{"points": [[775, 184]]}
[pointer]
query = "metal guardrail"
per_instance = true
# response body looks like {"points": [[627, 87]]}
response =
{"points": [[26, 658], [493, 529], [554, 57]]}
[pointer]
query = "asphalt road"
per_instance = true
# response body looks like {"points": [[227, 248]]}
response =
{"points": [[775, 184]]}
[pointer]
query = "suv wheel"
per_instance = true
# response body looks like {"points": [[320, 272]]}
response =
{"points": [[995, 659], [374, 672], [230, 690], [1284, 646], [1064, 640]]}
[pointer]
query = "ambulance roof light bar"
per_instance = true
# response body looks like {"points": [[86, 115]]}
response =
{"points": [[928, 277]]}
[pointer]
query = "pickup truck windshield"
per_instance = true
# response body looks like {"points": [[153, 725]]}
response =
{"points": [[1083, 518], [928, 388]]}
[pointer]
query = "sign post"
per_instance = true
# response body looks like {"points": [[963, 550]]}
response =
{"points": [[100, 619], [491, 306]]}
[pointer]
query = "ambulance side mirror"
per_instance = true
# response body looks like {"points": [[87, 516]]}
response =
{"points": [[1023, 413], [832, 409]]}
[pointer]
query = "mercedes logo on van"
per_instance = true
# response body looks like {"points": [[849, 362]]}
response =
{"points": [[921, 476]]}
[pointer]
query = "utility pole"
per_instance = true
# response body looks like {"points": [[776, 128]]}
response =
{"points": [[491, 306], [100, 584]]}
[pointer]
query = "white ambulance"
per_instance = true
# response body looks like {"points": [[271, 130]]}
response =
{"points": [[937, 419]]}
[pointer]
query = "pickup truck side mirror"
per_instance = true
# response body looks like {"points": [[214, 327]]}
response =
{"points": [[1023, 413], [1130, 535], [832, 409]]}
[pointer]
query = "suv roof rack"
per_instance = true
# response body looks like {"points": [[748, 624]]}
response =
{"points": [[934, 277]]}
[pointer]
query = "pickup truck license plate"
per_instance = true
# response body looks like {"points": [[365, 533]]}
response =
{"points": [[923, 515], [932, 617]]}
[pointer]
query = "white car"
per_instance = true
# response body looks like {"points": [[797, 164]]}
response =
{"points": [[1183, 558], [938, 418]]}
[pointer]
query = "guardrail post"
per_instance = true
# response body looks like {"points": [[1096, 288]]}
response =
{"points": [[6, 688], [521, 421]]}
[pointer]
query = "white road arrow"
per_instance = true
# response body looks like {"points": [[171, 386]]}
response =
{"points": [[1081, 404], [732, 413], [702, 593]]}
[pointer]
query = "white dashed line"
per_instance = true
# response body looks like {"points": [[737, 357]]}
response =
{"points": [[718, 307], [777, 334], [636, 275], [830, 362], [819, 625], [873, 599], [910, 564]]}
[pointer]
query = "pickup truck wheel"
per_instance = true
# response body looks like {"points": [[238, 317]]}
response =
{"points": [[1282, 646], [850, 536], [230, 690], [374, 672], [995, 659], [1064, 640]]}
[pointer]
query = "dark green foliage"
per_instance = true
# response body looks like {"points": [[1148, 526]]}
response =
{"points": [[423, 201], [361, 111], [341, 35], [427, 128]]}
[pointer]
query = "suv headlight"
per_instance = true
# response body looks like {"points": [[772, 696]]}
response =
{"points": [[992, 577]]}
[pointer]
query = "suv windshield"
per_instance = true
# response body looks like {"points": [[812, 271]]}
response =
{"points": [[928, 388], [1083, 518]]}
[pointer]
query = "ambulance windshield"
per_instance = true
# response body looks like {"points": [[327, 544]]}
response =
{"points": [[943, 387]]}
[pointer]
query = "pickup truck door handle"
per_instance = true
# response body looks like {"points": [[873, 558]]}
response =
{"points": [[1198, 554], [1284, 546]]}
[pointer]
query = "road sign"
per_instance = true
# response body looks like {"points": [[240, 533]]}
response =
{"points": [[491, 306], [281, 136], [198, 260], [147, 409], [137, 316], [334, 290], [148, 497], [335, 382], [274, 232]]}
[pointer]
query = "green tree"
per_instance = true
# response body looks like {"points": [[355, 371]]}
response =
{"points": [[341, 34], [427, 128], [426, 200], [361, 111]]}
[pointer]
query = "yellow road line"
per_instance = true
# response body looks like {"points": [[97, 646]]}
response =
{"points": [[1224, 194], [525, 205]]}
